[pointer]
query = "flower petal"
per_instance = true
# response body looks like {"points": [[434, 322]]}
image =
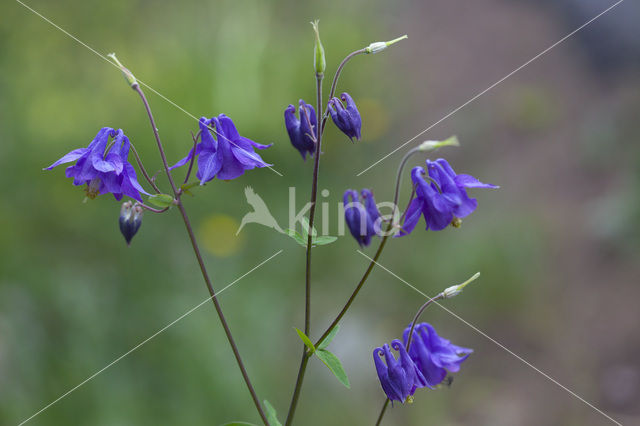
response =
{"points": [[69, 157], [469, 181], [209, 164], [412, 216]]}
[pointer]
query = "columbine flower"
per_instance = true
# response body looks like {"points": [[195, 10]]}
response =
{"points": [[103, 171], [442, 200], [227, 155], [130, 220], [362, 219], [347, 119], [302, 131], [399, 377], [432, 354]]}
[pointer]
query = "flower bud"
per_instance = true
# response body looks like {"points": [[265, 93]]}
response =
{"points": [[432, 145], [379, 46], [130, 220], [128, 75], [319, 62], [455, 290]]}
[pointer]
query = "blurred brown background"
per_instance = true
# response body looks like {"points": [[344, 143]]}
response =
{"points": [[556, 245]]}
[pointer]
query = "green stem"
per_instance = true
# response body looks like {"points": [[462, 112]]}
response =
{"points": [[387, 232], [307, 307], [384, 409], [198, 254], [322, 119], [334, 83], [143, 170]]}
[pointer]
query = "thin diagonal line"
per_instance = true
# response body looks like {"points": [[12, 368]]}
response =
{"points": [[145, 341], [252, 155], [492, 86], [499, 344]]}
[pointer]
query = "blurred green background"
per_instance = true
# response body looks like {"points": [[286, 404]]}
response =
{"points": [[557, 245]]}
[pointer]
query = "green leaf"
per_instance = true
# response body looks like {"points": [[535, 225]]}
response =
{"points": [[329, 338], [305, 227], [240, 424], [161, 200], [334, 364], [321, 241], [271, 414], [306, 340], [296, 236], [187, 187]]}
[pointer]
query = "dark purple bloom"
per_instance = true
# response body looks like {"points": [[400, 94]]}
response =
{"points": [[433, 355], [130, 220], [399, 377], [103, 170], [347, 119], [226, 156], [362, 215], [442, 198], [302, 131]]}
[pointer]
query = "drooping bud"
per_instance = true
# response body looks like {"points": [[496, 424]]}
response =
{"points": [[130, 220], [128, 75], [455, 290], [432, 145], [319, 61], [379, 46]]}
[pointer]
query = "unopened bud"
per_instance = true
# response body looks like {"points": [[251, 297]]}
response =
{"points": [[319, 61], [456, 222], [128, 75], [130, 220], [457, 289], [381, 45], [432, 145]]}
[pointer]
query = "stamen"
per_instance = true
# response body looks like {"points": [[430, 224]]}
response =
{"points": [[93, 187]]}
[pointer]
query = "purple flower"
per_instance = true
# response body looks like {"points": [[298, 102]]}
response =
{"points": [[443, 199], [103, 170], [399, 377], [362, 215], [432, 354], [227, 156], [302, 131], [346, 119]]}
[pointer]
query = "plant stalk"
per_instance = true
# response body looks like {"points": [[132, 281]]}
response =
{"points": [[196, 250], [312, 212]]}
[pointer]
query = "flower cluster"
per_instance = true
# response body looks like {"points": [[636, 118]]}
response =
{"points": [[303, 130], [441, 198], [104, 169], [361, 215], [226, 156], [424, 365], [422, 358]]}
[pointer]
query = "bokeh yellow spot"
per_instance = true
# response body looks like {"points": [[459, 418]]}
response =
{"points": [[217, 234], [375, 118]]}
